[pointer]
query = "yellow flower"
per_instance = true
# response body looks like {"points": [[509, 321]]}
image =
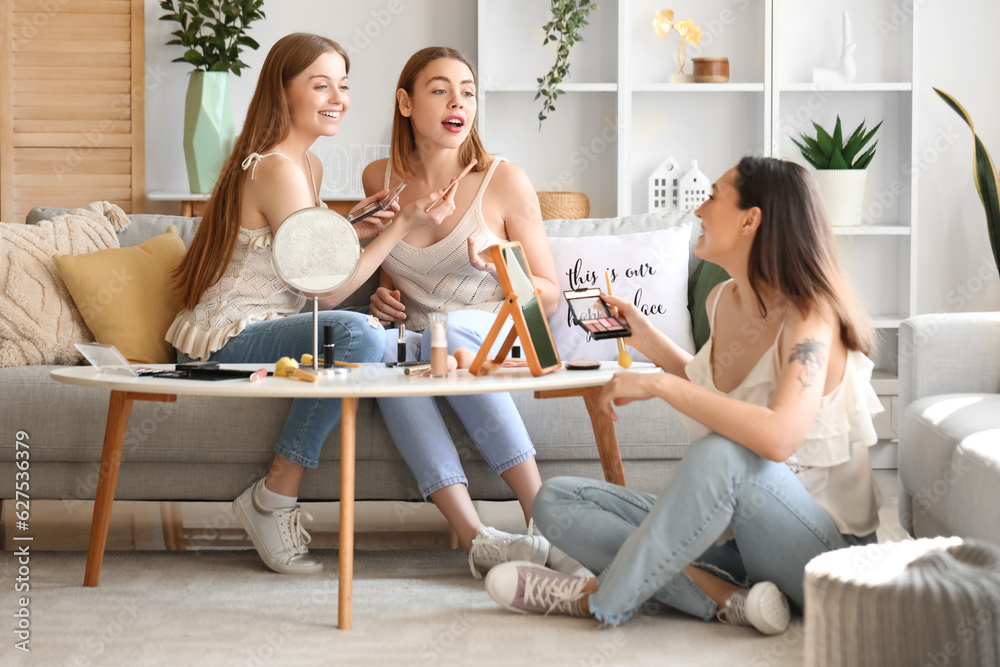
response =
{"points": [[663, 22], [688, 31]]}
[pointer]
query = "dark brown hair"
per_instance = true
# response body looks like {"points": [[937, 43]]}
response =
{"points": [[794, 251], [267, 123], [403, 145]]}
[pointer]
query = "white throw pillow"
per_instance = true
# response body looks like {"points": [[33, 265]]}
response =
{"points": [[649, 268]]}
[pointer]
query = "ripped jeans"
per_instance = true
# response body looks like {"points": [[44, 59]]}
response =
{"points": [[641, 543]]}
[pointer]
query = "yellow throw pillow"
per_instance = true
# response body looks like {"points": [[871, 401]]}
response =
{"points": [[125, 296]]}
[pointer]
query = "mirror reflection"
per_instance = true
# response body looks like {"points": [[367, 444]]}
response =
{"points": [[316, 251]]}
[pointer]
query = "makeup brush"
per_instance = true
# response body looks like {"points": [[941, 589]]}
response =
{"points": [[288, 367], [623, 359], [453, 184]]}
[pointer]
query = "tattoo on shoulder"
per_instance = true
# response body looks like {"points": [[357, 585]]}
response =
{"points": [[810, 354]]}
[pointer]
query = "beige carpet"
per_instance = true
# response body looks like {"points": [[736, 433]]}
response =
{"points": [[410, 608]]}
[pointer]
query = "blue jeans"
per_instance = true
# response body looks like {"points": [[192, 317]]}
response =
{"points": [[357, 337], [640, 543], [418, 429]]}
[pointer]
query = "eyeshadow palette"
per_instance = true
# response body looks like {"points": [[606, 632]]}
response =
{"points": [[590, 311]]}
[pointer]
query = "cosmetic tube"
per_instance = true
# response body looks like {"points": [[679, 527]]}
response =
{"points": [[439, 343]]}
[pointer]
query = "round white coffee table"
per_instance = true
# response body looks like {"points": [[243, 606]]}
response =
{"points": [[368, 381]]}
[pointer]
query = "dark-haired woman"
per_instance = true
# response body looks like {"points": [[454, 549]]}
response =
{"points": [[779, 403], [237, 309]]}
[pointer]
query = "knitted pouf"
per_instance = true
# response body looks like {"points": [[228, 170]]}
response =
{"points": [[919, 603]]}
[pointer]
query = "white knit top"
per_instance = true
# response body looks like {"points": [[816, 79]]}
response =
{"points": [[440, 277], [248, 291], [832, 462]]}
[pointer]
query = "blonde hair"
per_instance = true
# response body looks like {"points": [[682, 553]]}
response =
{"points": [[403, 144]]}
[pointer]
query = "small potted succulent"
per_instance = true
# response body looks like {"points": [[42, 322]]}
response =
{"points": [[212, 33], [840, 168]]}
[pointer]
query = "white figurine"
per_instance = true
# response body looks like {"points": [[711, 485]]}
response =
{"points": [[663, 186], [847, 69], [693, 188]]}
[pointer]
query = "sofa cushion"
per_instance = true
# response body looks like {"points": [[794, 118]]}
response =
{"points": [[125, 297], [704, 278], [143, 227], [38, 321], [649, 269], [931, 429]]}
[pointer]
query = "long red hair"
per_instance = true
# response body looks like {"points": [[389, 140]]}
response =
{"points": [[267, 123]]}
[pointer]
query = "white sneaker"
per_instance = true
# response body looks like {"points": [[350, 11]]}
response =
{"points": [[492, 547], [528, 588], [559, 560], [763, 607], [278, 535]]}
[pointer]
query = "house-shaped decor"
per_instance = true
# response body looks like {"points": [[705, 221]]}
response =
{"points": [[693, 188], [663, 186]]}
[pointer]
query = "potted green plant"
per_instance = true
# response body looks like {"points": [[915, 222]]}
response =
{"points": [[213, 33], [568, 17], [840, 168], [987, 180]]}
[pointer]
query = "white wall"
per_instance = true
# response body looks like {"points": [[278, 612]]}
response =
{"points": [[379, 35], [956, 270]]}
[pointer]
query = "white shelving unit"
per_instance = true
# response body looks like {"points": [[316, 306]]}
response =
{"points": [[619, 117]]}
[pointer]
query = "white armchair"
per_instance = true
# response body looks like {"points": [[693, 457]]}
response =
{"points": [[949, 425]]}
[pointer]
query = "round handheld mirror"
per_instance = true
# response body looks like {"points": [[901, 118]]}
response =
{"points": [[315, 251]]}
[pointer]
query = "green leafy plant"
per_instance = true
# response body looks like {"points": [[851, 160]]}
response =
{"points": [[568, 17], [986, 177], [826, 151], [213, 31]]}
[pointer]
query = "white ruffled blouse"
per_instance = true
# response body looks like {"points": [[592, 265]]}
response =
{"points": [[249, 291], [832, 462]]}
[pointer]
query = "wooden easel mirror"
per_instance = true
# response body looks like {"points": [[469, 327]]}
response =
{"points": [[523, 305]]}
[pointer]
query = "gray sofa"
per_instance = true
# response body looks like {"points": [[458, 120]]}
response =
{"points": [[949, 428], [199, 449]]}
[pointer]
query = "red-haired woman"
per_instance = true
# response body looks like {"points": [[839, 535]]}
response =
{"points": [[237, 309], [441, 269]]}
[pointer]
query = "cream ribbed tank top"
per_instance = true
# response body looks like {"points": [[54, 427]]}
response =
{"points": [[439, 277], [832, 461], [249, 290]]}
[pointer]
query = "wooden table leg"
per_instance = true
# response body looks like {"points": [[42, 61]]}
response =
{"points": [[346, 561], [119, 410], [604, 430]]}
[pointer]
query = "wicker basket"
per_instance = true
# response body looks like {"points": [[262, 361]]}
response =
{"points": [[563, 205]]}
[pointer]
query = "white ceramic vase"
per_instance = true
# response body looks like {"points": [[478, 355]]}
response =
{"points": [[843, 192]]}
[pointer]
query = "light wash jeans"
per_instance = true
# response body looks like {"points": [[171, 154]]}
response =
{"points": [[357, 337], [640, 543], [419, 430]]}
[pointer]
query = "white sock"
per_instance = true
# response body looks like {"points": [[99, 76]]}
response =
{"points": [[275, 501]]}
